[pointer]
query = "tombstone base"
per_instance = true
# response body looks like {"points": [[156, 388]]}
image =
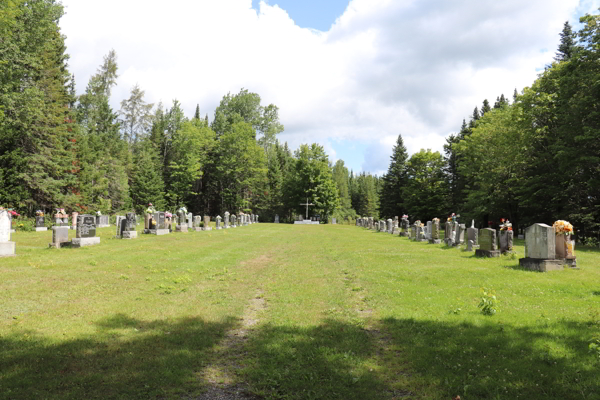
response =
{"points": [[435, 241], [207, 229], [449, 242], [541, 265], [129, 235], [197, 229], [571, 262], [235, 226], [403, 234], [41, 229], [181, 228], [82, 242], [7, 249], [471, 247], [487, 253], [160, 232]]}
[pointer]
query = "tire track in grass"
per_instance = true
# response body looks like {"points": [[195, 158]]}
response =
{"points": [[221, 375]]}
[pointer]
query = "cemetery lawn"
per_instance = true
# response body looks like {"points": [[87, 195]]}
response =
{"points": [[295, 312]]}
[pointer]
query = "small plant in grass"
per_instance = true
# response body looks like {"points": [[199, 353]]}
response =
{"points": [[488, 301], [594, 347]]}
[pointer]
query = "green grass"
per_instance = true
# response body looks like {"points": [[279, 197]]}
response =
{"points": [[295, 312]]}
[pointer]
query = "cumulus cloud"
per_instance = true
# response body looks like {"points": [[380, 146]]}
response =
{"points": [[386, 67]]}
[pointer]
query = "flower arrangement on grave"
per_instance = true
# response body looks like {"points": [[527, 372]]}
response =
{"points": [[13, 213], [150, 209], [182, 209], [405, 216], [563, 227], [98, 213], [435, 220], [418, 223], [39, 213], [505, 225], [452, 217], [60, 211], [168, 215]]}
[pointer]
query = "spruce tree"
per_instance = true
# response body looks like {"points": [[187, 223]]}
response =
{"points": [[485, 107], [393, 181], [197, 113], [567, 44]]}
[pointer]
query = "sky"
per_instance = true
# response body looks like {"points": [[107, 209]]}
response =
{"points": [[349, 75]]}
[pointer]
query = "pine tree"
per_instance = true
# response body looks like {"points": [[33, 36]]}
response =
{"points": [[567, 44], [391, 191], [197, 113], [37, 134], [485, 107]]}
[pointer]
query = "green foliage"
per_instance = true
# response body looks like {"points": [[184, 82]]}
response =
{"points": [[488, 301], [426, 185], [391, 204]]}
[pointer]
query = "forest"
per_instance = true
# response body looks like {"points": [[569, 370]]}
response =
{"points": [[534, 157]]}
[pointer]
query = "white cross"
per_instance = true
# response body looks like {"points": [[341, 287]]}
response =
{"points": [[307, 204]]}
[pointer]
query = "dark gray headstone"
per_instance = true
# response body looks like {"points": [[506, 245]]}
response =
{"points": [[86, 226], [161, 220], [130, 222], [39, 222]]}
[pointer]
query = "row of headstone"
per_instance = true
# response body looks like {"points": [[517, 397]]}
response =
{"points": [[546, 248]]}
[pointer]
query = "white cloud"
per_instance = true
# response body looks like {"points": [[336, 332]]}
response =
{"points": [[415, 68]]}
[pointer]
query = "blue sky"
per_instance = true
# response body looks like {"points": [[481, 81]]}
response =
{"points": [[351, 76], [315, 14]]}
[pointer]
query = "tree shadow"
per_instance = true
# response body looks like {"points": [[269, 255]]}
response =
{"points": [[129, 358], [493, 360], [126, 358], [316, 362]]}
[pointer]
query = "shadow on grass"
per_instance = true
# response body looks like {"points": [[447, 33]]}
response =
{"points": [[133, 359], [128, 359], [493, 361]]}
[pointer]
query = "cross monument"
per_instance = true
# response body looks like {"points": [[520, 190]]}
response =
{"points": [[307, 204]]}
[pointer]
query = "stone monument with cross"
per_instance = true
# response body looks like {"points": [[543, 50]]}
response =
{"points": [[307, 221]]}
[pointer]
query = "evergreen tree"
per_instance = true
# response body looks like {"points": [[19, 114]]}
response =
{"points": [[37, 134], [136, 115], [197, 113], [393, 181], [147, 184], [341, 177], [485, 107], [567, 44]]}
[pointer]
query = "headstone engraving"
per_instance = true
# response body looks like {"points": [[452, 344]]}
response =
{"points": [[86, 231]]}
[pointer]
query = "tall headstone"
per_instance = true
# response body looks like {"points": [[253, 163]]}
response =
{"points": [[218, 219], [472, 238], [226, 220], [86, 231], [487, 244], [448, 234], [389, 225], [234, 221], [129, 231], [120, 227], [506, 241], [459, 234], [540, 249], [181, 221], [276, 218], [420, 237], [74, 216], [207, 223], [428, 232], [40, 221], [189, 220], [435, 232], [7, 248], [404, 226]]}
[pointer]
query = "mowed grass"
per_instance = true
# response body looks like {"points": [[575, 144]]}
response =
{"points": [[294, 312]]}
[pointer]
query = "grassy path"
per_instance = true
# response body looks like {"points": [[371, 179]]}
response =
{"points": [[280, 311]]}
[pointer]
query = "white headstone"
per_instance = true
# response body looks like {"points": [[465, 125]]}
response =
{"points": [[4, 226]]}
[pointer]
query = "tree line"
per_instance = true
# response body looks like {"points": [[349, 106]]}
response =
{"points": [[532, 158]]}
